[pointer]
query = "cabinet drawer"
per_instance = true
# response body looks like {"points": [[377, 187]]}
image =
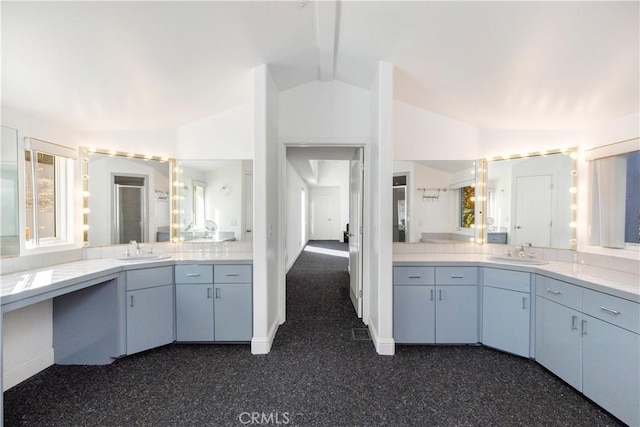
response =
{"points": [[194, 274], [413, 275], [506, 279], [232, 274], [149, 277], [561, 292], [617, 311], [456, 275]]}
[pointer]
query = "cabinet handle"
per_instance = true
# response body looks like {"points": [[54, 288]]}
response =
{"points": [[193, 274], [610, 310], [431, 294], [208, 293], [524, 303], [232, 274], [440, 294], [217, 293], [584, 327], [553, 291], [131, 300], [457, 277], [574, 323], [414, 277]]}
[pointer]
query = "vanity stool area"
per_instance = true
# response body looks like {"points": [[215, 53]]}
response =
{"points": [[104, 309], [581, 323]]}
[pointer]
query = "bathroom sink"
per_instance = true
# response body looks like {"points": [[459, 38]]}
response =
{"points": [[148, 257], [513, 260]]}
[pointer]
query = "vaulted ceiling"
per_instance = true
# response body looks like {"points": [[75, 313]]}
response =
{"points": [[145, 65]]}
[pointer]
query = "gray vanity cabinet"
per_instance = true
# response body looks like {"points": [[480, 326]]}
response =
{"points": [[233, 307], [592, 341], [414, 306], [149, 300], [214, 303], [435, 305], [506, 311], [194, 303]]}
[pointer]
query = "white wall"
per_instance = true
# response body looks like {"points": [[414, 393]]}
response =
{"points": [[268, 250], [227, 135], [423, 135], [324, 110], [616, 130], [294, 242], [335, 173], [497, 142], [225, 210], [157, 142], [378, 311]]}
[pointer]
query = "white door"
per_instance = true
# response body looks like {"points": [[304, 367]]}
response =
{"points": [[247, 230], [356, 183], [321, 219], [533, 221]]}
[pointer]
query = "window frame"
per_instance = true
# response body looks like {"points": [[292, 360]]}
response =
{"points": [[64, 196]]}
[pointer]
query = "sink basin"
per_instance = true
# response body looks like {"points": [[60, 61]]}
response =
{"points": [[523, 261], [148, 257]]}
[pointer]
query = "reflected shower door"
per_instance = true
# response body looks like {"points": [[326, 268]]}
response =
{"points": [[129, 209]]}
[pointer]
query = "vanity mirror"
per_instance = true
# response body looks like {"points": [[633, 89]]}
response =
{"points": [[126, 197], [9, 237], [531, 200], [434, 201], [215, 200]]}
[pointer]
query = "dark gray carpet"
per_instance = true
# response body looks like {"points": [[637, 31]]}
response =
{"points": [[316, 375]]}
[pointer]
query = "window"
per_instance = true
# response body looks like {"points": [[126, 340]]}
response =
{"points": [[467, 206], [48, 193], [614, 220]]}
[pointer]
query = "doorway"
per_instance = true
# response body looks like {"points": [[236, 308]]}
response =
{"points": [[332, 178], [400, 208], [129, 209]]}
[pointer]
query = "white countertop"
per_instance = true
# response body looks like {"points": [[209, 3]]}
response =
{"points": [[25, 284], [617, 283]]}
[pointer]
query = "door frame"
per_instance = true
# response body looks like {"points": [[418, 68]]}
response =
{"points": [[145, 205], [362, 143]]}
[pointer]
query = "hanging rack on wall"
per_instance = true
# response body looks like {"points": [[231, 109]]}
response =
{"points": [[432, 197]]}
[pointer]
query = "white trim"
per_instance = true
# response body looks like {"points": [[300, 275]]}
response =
{"points": [[50, 148], [614, 149], [324, 141], [27, 370], [262, 345], [384, 347]]}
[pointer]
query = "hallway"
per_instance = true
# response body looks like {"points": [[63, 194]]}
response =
{"points": [[315, 375]]}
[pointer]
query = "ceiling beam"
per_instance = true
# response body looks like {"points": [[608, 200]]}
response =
{"points": [[326, 24]]}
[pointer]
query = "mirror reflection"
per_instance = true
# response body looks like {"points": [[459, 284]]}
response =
{"points": [[129, 199], [434, 201], [9, 237], [215, 199], [530, 201]]}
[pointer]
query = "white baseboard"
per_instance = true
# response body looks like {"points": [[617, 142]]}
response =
{"points": [[262, 345], [27, 370], [384, 347]]}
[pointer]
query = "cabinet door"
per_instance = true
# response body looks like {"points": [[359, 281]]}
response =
{"points": [[233, 312], [457, 314], [149, 318], [194, 312], [505, 320], [414, 314], [611, 369], [559, 340]]}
